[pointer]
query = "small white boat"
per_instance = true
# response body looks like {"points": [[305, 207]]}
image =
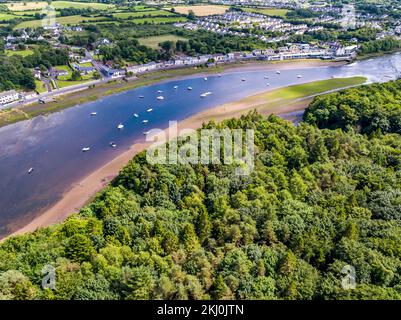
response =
{"points": [[268, 84], [159, 91], [149, 110], [189, 88], [30, 170], [141, 97], [145, 121], [113, 144], [93, 113], [205, 94], [278, 72], [120, 126], [205, 78], [243, 79], [160, 98], [299, 76], [136, 115], [145, 132], [266, 77], [219, 75], [175, 87], [85, 149]]}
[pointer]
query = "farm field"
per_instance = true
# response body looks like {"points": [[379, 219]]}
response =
{"points": [[23, 6], [151, 13], [201, 10], [153, 42], [7, 16], [62, 20], [269, 12], [157, 20]]}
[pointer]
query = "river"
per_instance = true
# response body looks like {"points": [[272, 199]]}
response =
{"points": [[52, 144]]}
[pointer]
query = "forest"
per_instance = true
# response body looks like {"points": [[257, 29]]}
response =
{"points": [[319, 198], [368, 109]]}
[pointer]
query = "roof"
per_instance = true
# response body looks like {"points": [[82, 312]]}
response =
{"points": [[7, 93]]}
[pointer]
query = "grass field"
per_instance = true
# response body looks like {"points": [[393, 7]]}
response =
{"points": [[26, 13], [153, 13], [278, 101], [157, 20], [22, 53], [153, 42], [67, 83], [7, 16], [62, 20], [40, 86], [269, 12], [201, 10], [23, 6]]}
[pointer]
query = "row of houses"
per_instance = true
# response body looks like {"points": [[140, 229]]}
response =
{"points": [[10, 96]]}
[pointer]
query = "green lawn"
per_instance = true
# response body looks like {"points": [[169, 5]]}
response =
{"points": [[22, 53], [86, 64], [153, 42], [67, 83], [40, 86], [269, 12]]}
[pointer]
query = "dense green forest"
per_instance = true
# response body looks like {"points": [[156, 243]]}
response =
{"points": [[317, 200], [366, 109]]}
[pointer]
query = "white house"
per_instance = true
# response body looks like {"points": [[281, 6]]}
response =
{"points": [[8, 96]]}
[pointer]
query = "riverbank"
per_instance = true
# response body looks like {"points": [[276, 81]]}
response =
{"points": [[116, 86], [278, 101]]}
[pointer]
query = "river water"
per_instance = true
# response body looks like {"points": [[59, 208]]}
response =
{"points": [[52, 144]]}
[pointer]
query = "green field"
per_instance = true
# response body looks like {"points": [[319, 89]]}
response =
{"points": [[40, 86], [269, 12], [312, 88], [70, 20], [153, 13], [153, 42], [157, 20], [67, 83], [7, 16], [22, 53], [23, 6]]}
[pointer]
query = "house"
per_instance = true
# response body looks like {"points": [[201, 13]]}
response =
{"points": [[29, 95], [8, 96], [109, 72], [83, 69], [85, 60], [60, 72], [142, 67], [36, 74]]}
